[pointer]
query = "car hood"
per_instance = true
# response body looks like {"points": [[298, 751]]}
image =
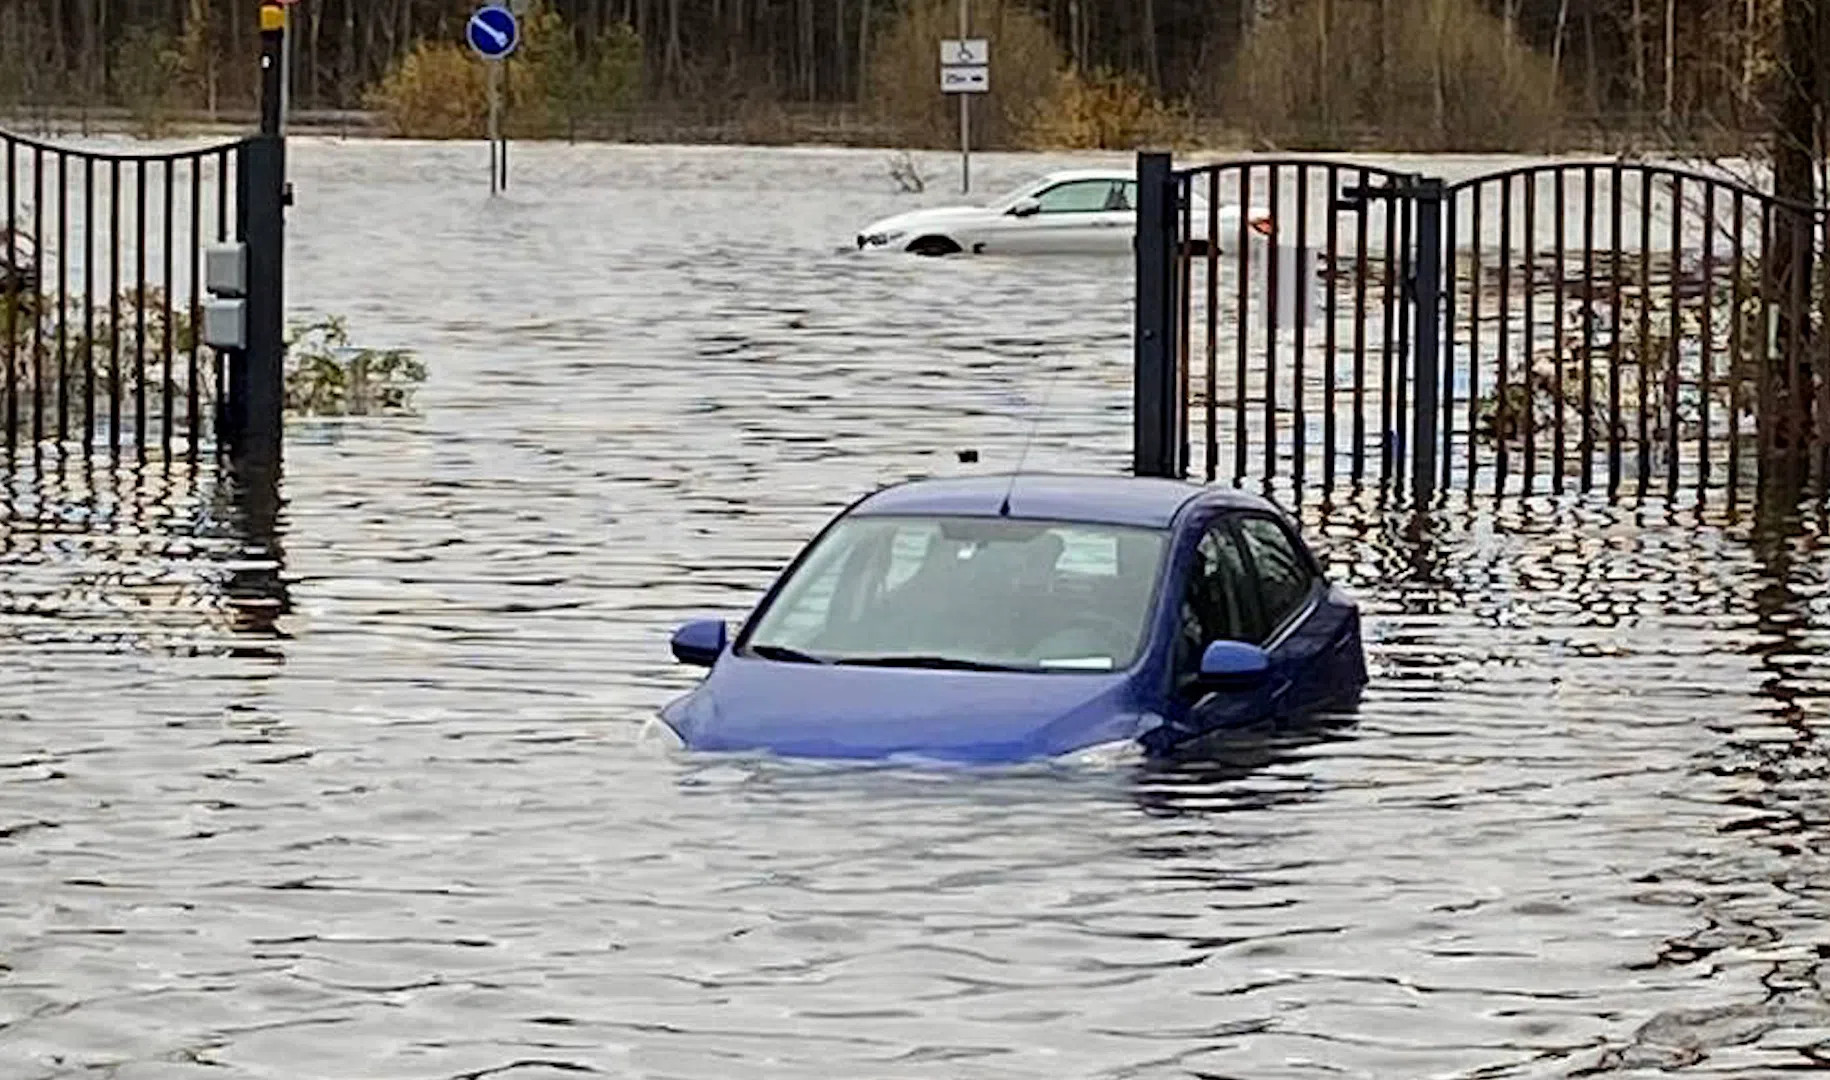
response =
{"points": [[931, 218], [833, 711]]}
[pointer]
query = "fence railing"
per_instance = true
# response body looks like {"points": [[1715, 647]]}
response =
{"points": [[1615, 327]]}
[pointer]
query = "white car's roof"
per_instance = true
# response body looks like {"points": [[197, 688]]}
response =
{"points": [[1089, 174]]}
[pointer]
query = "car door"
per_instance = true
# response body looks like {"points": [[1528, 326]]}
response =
{"points": [[1073, 217], [1219, 602], [1313, 642]]}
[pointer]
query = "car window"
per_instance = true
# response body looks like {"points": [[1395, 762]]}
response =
{"points": [[1219, 601], [1126, 196], [1284, 575], [1076, 197]]}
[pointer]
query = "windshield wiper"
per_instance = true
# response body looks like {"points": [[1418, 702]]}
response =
{"points": [[937, 663], [784, 653]]}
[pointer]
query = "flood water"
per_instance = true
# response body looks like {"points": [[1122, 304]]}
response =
{"points": [[350, 793]]}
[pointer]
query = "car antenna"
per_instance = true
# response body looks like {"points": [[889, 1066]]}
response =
{"points": [[1028, 438]]}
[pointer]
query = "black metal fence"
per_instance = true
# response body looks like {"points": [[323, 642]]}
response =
{"points": [[102, 293], [101, 309], [1599, 326]]}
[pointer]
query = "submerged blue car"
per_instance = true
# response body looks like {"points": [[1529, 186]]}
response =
{"points": [[1001, 619]]}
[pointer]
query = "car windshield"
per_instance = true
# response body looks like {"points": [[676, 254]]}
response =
{"points": [[967, 593]]}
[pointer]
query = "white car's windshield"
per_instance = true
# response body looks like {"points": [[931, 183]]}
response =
{"points": [[1012, 197], [950, 592]]}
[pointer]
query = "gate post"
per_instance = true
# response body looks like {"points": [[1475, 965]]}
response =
{"points": [[1426, 300], [1156, 427], [257, 376]]}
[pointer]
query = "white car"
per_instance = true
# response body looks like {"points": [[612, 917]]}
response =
{"points": [[1076, 212]]}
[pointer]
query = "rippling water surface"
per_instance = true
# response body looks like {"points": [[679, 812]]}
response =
{"points": [[343, 788]]}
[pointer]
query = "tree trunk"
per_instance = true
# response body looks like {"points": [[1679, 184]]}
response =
{"points": [[1556, 48], [1785, 415], [1153, 68], [1638, 32], [864, 48], [1670, 60], [1324, 25]]}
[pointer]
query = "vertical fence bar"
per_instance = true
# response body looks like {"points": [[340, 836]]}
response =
{"points": [[1300, 413], [114, 307], [1615, 331], [1428, 295], [1406, 310], [1502, 408], [168, 329], [1241, 441], [1708, 327], [63, 298], [1184, 284], [1820, 268], [1359, 336], [1451, 255], [1559, 451], [9, 332], [1153, 376], [1672, 435], [1330, 281], [193, 406], [1587, 441], [1394, 284], [219, 375], [1211, 410], [1644, 354], [37, 285], [1763, 345], [1737, 361], [1475, 274], [87, 337], [139, 310], [1270, 333], [1528, 349]]}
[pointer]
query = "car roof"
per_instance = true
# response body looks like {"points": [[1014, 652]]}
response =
{"points": [[1145, 502], [1108, 173]]}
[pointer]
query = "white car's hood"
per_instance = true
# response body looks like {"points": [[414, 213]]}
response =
{"points": [[930, 218]]}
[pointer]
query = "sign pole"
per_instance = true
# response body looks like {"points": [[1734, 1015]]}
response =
{"points": [[965, 110], [495, 128], [493, 33]]}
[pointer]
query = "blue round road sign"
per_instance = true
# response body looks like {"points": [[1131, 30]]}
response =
{"points": [[493, 32]]}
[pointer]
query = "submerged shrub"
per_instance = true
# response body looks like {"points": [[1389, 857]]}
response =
{"points": [[326, 376]]}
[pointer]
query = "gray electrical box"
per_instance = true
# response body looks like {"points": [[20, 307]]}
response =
{"points": [[225, 269], [225, 324]]}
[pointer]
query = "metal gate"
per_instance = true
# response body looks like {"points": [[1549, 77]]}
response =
{"points": [[1594, 326], [102, 292]]}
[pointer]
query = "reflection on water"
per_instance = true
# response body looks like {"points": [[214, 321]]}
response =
{"points": [[167, 555], [333, 779]]}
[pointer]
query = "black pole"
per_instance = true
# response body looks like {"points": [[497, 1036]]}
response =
{"points": [[1156, 432], [258, 408], [1426, 295]]}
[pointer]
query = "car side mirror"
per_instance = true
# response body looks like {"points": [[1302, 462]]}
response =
{"points": [[1026, 208], [700, 643], [1233, 665]]}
